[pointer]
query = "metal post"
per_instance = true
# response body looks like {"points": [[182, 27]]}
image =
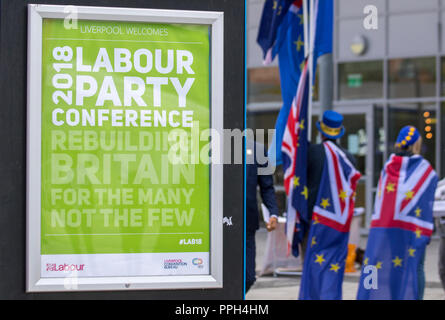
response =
{"points": [[306, 28], [311, 64], [326, 82]]}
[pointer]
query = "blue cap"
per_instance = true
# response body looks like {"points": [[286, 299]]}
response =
{"points": [[408, 135], [331, 125]]}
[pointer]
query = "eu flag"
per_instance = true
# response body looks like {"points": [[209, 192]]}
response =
{"points": [[323, 27], [401, 227], [289, 47], [271, 18]]}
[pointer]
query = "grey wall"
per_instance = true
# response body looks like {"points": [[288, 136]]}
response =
{"points": [[354, 8], [413, 34], [406, 28]]}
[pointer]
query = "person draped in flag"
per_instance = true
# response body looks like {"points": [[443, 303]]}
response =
{"points": [[401, 225], [332, 180]]}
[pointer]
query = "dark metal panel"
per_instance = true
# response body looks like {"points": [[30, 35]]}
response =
{"points": [[13, 59]]}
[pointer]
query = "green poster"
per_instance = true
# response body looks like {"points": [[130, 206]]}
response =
{"points": [[117, 99]]}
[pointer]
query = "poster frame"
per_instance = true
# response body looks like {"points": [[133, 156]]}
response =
{"points": [[34, 281]]}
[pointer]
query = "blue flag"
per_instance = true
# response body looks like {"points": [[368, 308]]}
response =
{"points": [[323, 27], [273, 14], [401, 227], [290, 49], [327, 245]]}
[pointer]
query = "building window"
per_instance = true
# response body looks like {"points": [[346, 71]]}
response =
{"points": [[442, 63], [264, 85], [262, 120], [360, 80], [316, 86], [355, 139], [412, 78], [379, 143], [420, 115], [442, 147]]}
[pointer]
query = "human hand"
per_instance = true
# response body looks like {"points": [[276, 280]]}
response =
{"points": [[273, 221]]}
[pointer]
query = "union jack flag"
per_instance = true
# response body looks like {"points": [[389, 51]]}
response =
{"points": [[402, 224], [335, 200], [294, 148], [401, 188], [328, 236]]}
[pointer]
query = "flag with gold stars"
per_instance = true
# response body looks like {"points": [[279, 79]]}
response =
{"points": [[401, 227], [294, 148], [327, 245], [274, 12], [289, 47]]}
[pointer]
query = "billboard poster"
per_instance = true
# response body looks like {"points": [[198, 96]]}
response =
{"points": [[111, 93], [123, 188]]}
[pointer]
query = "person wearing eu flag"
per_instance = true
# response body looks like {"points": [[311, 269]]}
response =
{"points": [[332, 180], [401, 226]]}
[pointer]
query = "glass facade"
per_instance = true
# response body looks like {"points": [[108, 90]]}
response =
{"points": [[412, 78], [355, 139], [263, 85], [360, 80], [379, 146], [442, 137], [411, 85], [442, 73], [262, 120]]}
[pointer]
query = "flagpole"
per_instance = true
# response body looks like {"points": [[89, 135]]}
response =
{"points": [[309, 30], [306, 28], [311, 65]]}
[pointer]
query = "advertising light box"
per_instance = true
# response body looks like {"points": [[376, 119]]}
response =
{"points": [[121, 191]]}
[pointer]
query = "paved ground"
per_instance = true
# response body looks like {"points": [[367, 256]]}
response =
{"points": [[287, 287]]}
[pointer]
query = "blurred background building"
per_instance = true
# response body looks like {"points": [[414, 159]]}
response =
{"points": [[383, 79]]}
